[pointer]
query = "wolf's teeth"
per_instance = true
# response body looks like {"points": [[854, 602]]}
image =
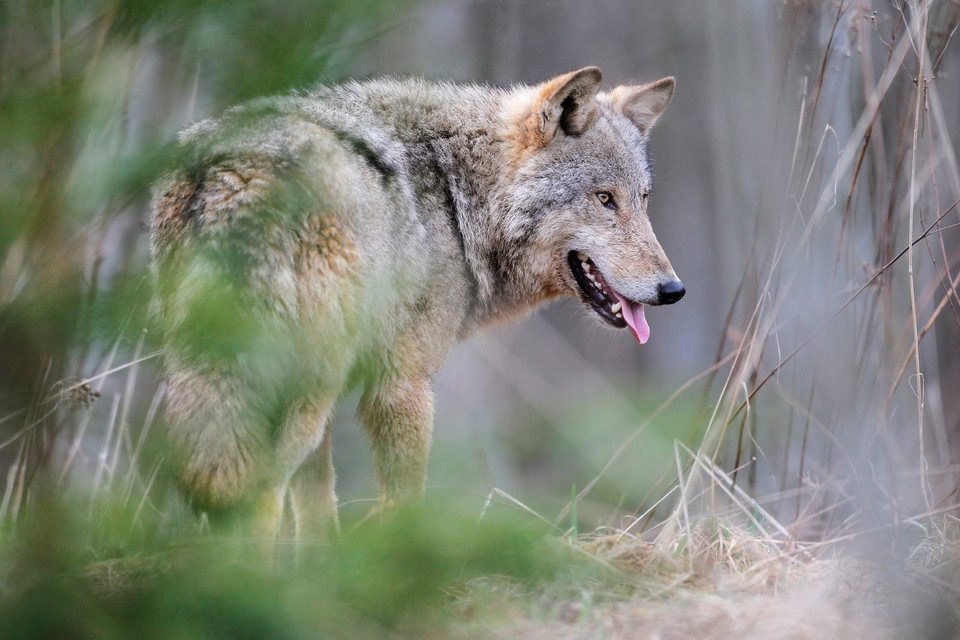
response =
{"points": [[585, 266], [582, 257], [615, 307], [592, 278], [620, 315]]}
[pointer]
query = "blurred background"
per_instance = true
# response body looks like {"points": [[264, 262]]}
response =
{"points": [[789, 167]]}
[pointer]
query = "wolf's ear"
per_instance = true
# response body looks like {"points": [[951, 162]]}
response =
{"points": [[644, 103], [568, 103]]}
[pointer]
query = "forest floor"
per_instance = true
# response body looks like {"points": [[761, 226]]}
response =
{"points": [[730, 587], [401, 580]]}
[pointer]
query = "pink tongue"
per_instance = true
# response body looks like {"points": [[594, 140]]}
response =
{"points": [[633, 314]]}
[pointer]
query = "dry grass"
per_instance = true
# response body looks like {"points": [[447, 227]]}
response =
{"points": [[722, 582]]}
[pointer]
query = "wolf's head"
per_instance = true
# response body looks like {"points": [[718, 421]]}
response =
{"points": [[580, 160]]}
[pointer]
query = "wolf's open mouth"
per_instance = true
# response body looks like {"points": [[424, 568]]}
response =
{"points": [[609, 305]]}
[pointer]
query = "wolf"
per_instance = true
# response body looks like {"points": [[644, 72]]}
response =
{"points": [[347, 237]]}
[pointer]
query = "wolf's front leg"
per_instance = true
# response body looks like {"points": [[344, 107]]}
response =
{"points": [[398, 418]]}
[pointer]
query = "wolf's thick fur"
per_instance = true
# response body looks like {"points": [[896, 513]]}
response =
{"points": [[350, 236]]}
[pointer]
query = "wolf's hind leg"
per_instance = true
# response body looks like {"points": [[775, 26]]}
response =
{"points": [[398, 419], [312, 494]]}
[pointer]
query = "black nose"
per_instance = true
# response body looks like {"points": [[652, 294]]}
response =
{"points": [[671, 291]]}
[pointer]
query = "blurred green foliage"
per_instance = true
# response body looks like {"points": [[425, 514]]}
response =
{"points": [[631, 439], [389, 576], [90, 96]]}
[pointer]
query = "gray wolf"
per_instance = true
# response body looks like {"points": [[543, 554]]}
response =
{"points": [[349, 236]]}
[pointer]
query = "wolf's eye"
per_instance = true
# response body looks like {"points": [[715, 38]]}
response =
{"points": [[606, 199]]}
